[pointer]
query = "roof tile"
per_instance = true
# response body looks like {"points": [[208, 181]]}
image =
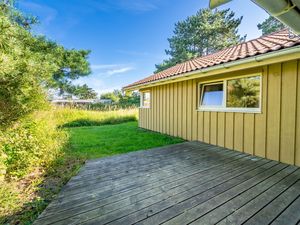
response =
{"points": [[272, 42]]}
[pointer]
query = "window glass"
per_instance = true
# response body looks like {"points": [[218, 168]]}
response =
{"points": [[212, 95], [243, 92], [146, 99]]}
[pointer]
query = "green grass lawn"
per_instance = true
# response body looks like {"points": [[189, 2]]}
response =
{"points": [[107, 140]]}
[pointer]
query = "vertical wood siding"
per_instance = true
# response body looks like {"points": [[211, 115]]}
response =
{"points": [[274, 133], [297, 137]]}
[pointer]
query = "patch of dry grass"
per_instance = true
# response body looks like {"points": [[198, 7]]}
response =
{"points": [[78, 117]]}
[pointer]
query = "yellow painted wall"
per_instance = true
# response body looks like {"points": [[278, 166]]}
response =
{"points": [[273, 134]]}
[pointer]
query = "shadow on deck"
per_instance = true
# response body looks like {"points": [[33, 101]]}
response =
{"points": [[187, 183]]}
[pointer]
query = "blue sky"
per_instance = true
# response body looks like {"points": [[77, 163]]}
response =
{"points": [[126, 37]]}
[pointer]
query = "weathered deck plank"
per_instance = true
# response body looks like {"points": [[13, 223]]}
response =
{"points": [[161, 186], [158, 196], [217, 214], [185, 183], [291, 214]]}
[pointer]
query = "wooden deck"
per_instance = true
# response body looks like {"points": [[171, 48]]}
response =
{"points": [[188, 183]]}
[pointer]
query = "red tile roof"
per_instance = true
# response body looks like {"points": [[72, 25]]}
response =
{"points": [[261, 45]]}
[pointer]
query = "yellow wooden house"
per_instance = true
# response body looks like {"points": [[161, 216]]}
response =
{"points": [[246, 98]]}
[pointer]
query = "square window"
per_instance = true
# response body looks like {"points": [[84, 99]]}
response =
{"points": [[212, 95], [243, 92]]}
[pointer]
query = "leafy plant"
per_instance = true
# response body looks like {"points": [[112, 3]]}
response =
{"points": [[32, 142]]}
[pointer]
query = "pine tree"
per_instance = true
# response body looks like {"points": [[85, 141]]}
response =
{"points": [[201, 34], [270, 25]]}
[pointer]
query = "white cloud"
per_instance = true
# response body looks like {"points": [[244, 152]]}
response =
{"points": [[117, 71], [103, 66], [107, 70], [99, 85], [101, 78], [111, 89]]}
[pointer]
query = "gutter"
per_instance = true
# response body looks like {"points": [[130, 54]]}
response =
{"points": [[227, 65], [286, 11]]}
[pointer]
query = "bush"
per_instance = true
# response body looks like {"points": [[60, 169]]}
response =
{"points": [[32, 142]]}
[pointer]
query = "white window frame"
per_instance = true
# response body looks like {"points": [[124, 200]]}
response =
{"points": [[202, 92], [223, 108], [142, 99]]}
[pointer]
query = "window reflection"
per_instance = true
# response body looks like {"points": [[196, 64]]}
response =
{"points": [[243, 92], [212, 95]]}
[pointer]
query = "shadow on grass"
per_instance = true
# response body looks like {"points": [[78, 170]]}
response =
{"points": [[40, 188]]}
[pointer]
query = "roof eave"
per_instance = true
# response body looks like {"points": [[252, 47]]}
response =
{"points": [[288, 12], [249, 62]]}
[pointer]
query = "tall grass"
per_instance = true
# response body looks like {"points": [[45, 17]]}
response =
{"points": [[78, 117], [32, 142], [28, 149], [38, 139]]}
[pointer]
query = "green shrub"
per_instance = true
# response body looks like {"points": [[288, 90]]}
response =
{"points": [[3, 157], [8, 199], [21, 149], [32, 142]]}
